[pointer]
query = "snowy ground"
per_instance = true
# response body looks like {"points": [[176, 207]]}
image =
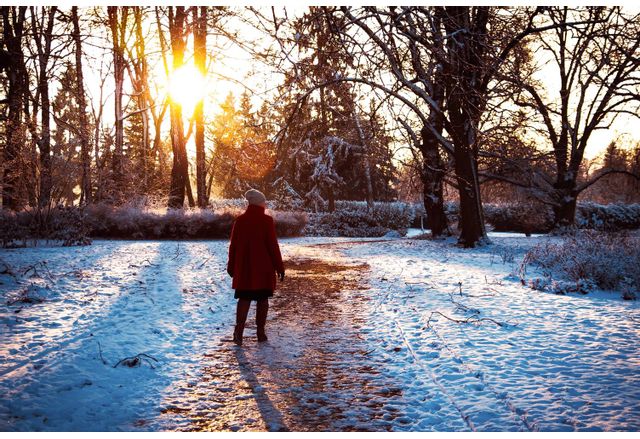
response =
{"points": [[391, 335]]}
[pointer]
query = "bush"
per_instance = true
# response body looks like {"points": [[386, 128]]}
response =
{"points": [[610, 217], [66, 225], [351, 218], [524, 218], [74, 225], [538, 218], [12, 234], [608, 260], [289, 223], [135, 223]]}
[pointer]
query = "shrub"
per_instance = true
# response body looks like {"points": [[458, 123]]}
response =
{"points": [[66, 225], [289, 223], [611, 217], [608, 260], [11, 231], [351, 218], [519, 217], [135, 223]]}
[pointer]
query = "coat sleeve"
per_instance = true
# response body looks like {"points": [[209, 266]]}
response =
{"points": [[272, 245], [232, 249]]}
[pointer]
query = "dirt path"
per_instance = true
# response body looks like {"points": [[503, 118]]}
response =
{"points": [[303, 378]]}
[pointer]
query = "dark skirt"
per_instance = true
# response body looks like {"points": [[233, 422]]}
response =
{"points": [[253, 294]]}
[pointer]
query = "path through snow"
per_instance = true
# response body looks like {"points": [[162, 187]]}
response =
{"points": [[363, 336]]}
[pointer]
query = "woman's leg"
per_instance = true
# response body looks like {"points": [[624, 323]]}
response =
{"points": [[242, 311], [262, 309]]}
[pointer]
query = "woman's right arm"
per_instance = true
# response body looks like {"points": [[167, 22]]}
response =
{"points": [[232, 251]]}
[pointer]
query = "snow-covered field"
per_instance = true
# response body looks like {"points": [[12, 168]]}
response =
{"points": [[398, 334]]}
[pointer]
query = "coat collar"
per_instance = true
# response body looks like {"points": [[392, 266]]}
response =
{"points": [[253, 208]]}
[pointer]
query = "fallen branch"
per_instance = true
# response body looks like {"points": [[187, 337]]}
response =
{"points": [[462, 306], [136, 361], [7, 270], [178, 252], [470, 319], [100, 352], [34, 268]]}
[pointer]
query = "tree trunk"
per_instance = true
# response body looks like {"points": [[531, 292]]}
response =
{"points": [[143, 97], [180, 165], [472, 229], [117, 25], [331, 204], [190, 199], [200, 58], [465, 105], [367, 161], [44, 142], [566, 197], [432, 180], [13, 27], [85, 184]]}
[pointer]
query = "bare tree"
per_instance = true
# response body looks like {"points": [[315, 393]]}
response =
{"points": [[138, 69], [83, 129], [118, 17], [42, 28], [179, 172], [13, 26], [200, 58], [597, 60]]}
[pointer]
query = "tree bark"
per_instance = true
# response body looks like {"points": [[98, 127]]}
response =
{"points": [[432, 176], [13, 27], [83, 129], [117, 23], [367, 161], [43, 37], [179, 172], [143, 97], [200, 59], [465, 105]]}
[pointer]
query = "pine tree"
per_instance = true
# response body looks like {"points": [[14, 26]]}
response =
{"points": [[326, 144]]}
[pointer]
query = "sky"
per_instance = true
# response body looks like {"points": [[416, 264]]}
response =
{"points": [[232, 68]]}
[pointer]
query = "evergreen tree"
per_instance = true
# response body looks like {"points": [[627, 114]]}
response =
{"points": [[322, 154]]}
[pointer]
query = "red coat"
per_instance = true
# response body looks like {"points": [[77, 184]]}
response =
{"points": [[254, 254]]}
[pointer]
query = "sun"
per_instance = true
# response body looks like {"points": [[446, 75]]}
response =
{"points": [[186, 87]]}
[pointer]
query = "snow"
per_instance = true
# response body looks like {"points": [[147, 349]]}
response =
{"points": [[378, 353]]}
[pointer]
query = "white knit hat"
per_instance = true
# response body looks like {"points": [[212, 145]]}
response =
{"points": [[254, 196]]}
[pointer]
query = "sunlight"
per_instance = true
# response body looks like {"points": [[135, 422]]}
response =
{"points": [[186, 87]]}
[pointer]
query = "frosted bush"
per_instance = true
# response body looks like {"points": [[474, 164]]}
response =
{"points": [[608, 261], [519, 217], [62, 225], [12, 234], [608, 216], [130, 222], [352, 219], [289, 223]]}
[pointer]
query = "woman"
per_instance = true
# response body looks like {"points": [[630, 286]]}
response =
{"points": [[254, 259]]}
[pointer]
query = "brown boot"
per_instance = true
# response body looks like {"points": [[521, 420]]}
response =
{"points": [[241, 317], [262, 309], [237, 334]]}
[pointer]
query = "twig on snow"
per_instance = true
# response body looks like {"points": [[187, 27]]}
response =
{"points": [[470, 319], [100, 352], [204, 262], [462, 306], [136, 361]]}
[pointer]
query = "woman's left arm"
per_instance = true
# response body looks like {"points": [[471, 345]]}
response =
{"points": [[274, 248]]}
